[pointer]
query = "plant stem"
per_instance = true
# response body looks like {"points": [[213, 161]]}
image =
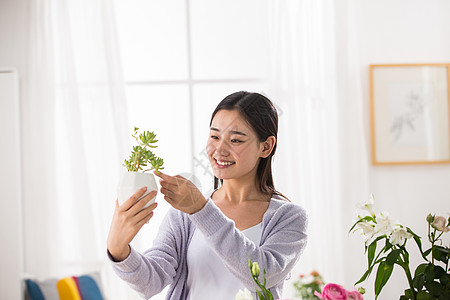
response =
{"points": [[405, 266], [432, 246]]}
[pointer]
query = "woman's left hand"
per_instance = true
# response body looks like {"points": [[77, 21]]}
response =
{"points": [[181, 193]]}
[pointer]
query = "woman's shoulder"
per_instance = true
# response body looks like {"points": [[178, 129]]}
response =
{"points": [[279, 201], [282, 209]]}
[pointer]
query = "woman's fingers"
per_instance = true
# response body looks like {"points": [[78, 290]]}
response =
{"points": [[141, 203], [132, 200], [144, 213], [144, 220], [181, 193], [162, 175]]}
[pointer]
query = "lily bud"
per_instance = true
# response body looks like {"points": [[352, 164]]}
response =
{"points": [[250, 264], [255, 269], [361, 290], [430, 218]]}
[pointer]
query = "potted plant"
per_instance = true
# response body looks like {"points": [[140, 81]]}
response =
{"points": [[141, 160]]}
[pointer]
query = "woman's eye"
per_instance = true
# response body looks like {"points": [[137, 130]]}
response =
{"points": [[236, 141], [214, 137]]}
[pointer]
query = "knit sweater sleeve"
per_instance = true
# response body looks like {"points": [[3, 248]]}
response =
{"points": [[283, 240], [148, 273]]}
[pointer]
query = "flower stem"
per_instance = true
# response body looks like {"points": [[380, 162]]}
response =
{"points": [[432, 245], [405, 266]]}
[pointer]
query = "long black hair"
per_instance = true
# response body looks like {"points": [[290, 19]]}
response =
{"points": [[262, 116]]}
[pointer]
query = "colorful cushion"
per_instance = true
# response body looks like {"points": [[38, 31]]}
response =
{"points": [[41, 289], [89, 288], [85, 287], [67, 289], [34, 291]]}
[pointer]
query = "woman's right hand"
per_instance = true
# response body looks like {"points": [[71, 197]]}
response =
{"points": [[127, 220]]}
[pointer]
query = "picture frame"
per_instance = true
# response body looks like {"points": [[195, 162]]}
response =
{"points": [[410, 113]]}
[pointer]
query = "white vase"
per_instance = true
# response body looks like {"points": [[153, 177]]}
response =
{"points": [[131, 182]]}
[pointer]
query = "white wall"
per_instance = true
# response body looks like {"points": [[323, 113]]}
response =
{"points": [[11, 212], [402, 31], [13, 36]]}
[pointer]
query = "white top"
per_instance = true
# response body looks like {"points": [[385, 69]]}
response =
{"points": [[208, 277]]}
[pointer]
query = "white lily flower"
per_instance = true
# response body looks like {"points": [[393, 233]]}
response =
{"points": [[385, 225], [368, 231], [399, 235], [244, 295], [366, 208]]}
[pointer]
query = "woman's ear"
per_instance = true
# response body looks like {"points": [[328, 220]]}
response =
{"points": [[267, 146]]}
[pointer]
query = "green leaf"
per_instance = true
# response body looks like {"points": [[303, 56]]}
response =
{"points": [[429, 273], [387, 246], [419, 281], [383, 274], [442, 249], [418, 242], [371, 253], [364, 219], [426, 253], [367, 273], [260, 295], [439, 255], [434, 288], [445, 280], [438, 272], [420, 269], [392, 257], [408, 293], [422, 295]]}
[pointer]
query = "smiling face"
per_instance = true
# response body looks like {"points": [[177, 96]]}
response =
{"points": [[233, 147]]}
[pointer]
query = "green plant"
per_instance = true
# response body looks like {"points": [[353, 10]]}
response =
{"points": [[307, 285], [141, 155], [431, 279], [264, 294]]}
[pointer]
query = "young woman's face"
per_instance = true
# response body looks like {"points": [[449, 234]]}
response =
{"points": [[233, 147]]}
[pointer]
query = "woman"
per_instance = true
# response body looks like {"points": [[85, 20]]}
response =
{"points": [[205, 241]]}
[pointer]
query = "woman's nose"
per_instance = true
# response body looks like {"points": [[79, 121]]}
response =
{"points": [[222, 148]]}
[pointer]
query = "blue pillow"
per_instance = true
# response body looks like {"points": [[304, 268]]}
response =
{"points": [[89, 289], [34, 291], [42, 289]]}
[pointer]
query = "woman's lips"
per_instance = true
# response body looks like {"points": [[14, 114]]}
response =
{"points": [[221, 164]]}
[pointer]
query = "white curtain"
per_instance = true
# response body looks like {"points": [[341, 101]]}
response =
{"points": [[75, 136], [313, 89]]}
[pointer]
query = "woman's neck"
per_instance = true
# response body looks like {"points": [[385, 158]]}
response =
{"points": [[237, 191]]}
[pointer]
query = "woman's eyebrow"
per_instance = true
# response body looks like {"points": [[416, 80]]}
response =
{"points": [[237, 132], [231, 131]]}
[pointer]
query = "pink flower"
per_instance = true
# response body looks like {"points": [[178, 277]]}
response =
{"points": [[332, 292], [319, 295], [439, 224], [354, 295]]}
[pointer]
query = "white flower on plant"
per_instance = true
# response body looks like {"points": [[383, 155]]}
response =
{"points": [[366, 208], [368, 231], [385, 225], [244, 295], [399, 236]]}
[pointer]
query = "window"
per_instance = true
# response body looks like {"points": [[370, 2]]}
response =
{"points": [[180, 58]]}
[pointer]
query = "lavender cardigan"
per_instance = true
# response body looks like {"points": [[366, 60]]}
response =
{"points": [[283, 240]]}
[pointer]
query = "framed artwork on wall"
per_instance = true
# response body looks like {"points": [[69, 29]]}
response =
{"points": [[410, 113]]}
